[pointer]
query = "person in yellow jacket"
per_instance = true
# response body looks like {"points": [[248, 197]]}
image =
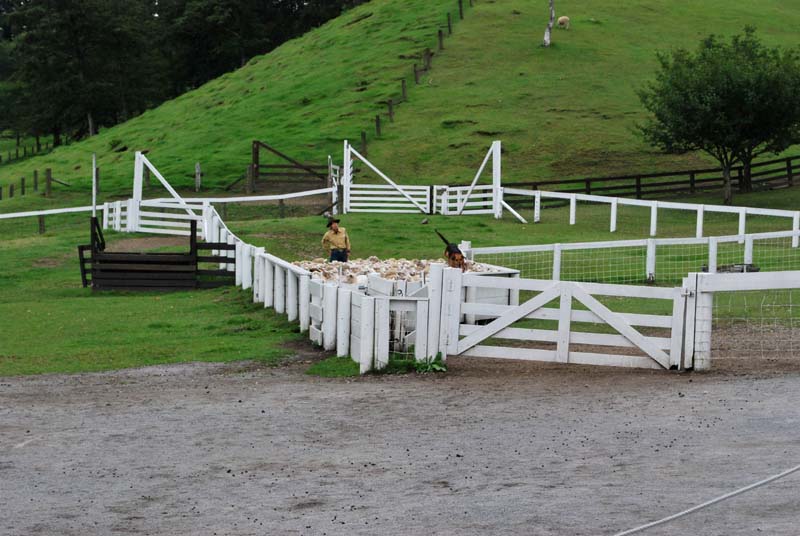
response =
{"points": [[336, 241]]}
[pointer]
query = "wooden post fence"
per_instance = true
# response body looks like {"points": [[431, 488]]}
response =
{"points": [[35, 180], [250, 184], [48, 182], [390, 105], [378, 126], [789, 175], [364, 143], [404, 93], [11, 190], [416, 74], [198, 177], [449, 25], [41, 225], [461, 9], [441, 39]]}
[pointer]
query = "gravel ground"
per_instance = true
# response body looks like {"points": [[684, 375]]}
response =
{"points": [[490, 448]]}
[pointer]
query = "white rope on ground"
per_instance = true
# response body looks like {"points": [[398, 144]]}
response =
{"points": [[709, 503]]}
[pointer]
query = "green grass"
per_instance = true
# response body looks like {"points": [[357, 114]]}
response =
{"points": [[334, 367], [51, 324], [564, 112]]}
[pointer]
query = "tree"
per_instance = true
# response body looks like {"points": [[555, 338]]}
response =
{"points": [[732, 100]]}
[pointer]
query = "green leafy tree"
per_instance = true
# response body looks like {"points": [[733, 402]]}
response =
{"points": [[732, 100]]}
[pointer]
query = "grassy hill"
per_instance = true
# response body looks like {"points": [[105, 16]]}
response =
{"points": [[563, 112]]}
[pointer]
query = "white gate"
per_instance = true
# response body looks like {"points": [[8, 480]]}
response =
{"points": [[581, 319]]}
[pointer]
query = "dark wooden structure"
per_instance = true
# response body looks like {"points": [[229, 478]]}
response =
{"points": [[108, 270], [288, 170], [771, 174]]}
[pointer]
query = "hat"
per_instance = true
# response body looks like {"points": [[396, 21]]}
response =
{"points": [[332, 221]]}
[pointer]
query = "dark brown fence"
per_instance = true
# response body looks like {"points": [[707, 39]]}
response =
{"points": [[779, 173], [105, 270]]}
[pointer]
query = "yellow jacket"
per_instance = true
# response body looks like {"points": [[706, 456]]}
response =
{"points": [[338, 240]]}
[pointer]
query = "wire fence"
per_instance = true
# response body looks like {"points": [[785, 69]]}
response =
{"points": [[756, 328], [651, 261]]}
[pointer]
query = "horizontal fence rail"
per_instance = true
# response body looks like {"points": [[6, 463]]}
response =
{"points": [[769, 174]]}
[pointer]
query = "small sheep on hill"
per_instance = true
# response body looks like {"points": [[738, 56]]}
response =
{"points": [[563, 22]]}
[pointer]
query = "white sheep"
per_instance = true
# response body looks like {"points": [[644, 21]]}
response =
{"points": [[563, 22]]}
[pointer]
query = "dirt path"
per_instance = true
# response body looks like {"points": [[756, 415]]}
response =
{"points": [[491, 448]]}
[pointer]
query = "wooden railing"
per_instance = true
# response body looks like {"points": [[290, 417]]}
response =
{"points": [[764, 175]]}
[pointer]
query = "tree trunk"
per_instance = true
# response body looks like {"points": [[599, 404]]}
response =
{"points": [[38, 143], [90, 120], [746, 181], [727, 192], [549, 30], [56, 136]]}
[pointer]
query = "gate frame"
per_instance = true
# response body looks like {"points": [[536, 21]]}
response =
{"points": [[454, 283]]}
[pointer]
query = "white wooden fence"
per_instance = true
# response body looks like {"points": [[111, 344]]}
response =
{"points": [[557, 345], [654, 207], [383, 198]]}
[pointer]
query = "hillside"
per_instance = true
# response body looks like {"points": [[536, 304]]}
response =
{"points": [[563, 112]]}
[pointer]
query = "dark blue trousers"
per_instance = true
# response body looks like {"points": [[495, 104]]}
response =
{"points": [[339, 255]]}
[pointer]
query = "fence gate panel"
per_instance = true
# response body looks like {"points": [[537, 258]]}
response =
{"points": [[566, 322], [385, 198]]}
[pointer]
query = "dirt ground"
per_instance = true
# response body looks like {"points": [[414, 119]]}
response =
{"points": [[492, 447]]}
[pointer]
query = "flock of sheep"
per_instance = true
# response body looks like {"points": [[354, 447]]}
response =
{"points": [[357, 271]]}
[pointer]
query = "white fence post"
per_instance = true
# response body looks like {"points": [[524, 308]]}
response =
{"points": [[105, 215], [654, 218], [231, 266], [699, 230], [712, 255], [613, 224], [329, 316], [572, 207], [268, 283], [258, 275], [280, 289], [676, 330], [223, 239], [451, 311], [347, 177], [690, 290], [748, 250], [434, 308], [796, 229], [304, 299], [238, 264], [247, 274], [497, 179], [366, 335], [650, 261], [537, 206], [131, 224], [421, 329], [742, 222], [343, 322], [381, 337], [556, 262], [291, 296], [703, 325]]}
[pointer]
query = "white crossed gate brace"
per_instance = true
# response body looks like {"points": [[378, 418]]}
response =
{"points": [[627, 335]]}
